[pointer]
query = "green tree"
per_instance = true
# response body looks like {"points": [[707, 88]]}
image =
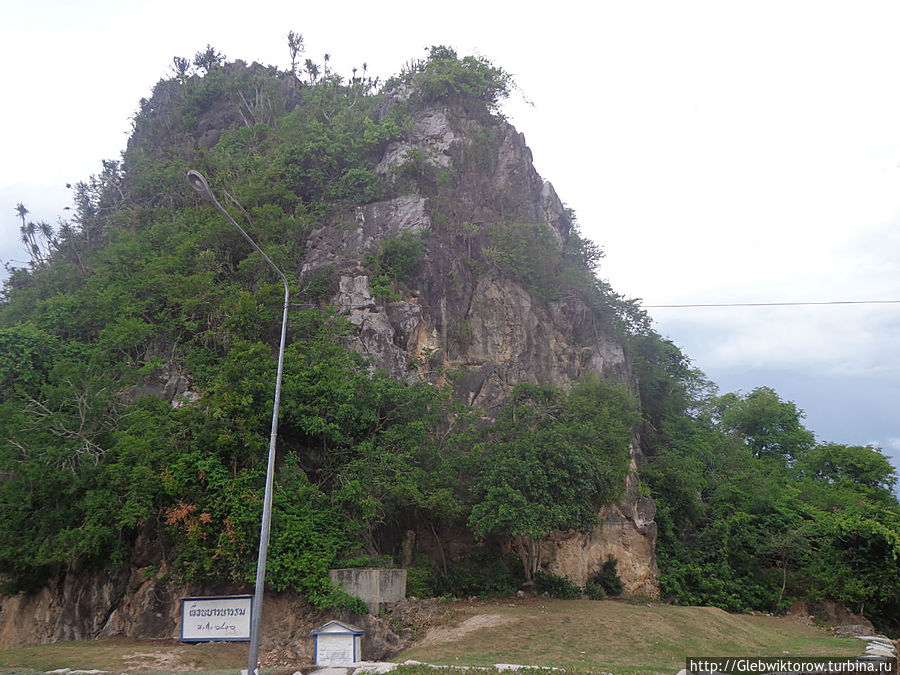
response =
{"points": [[445, 76], [549, 462], [312, 70], [38, 238], [296, 47], [789, 548], [862, 466], [769, 426], [858, 560], [181, 66], [208, 59]]}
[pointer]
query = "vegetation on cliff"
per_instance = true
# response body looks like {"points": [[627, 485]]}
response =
{"points": [[136, 364], [147, 287]]}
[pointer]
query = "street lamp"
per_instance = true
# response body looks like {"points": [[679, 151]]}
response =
{"points": [[199, 184]]}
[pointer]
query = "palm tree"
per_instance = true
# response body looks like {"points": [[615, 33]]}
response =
{"points": [[312, 69], [181, 66], [21, 211], [46, 230], [27, 233]]}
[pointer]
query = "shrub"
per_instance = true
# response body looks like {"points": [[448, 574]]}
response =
{"points": [[395, 261], [556, 586], [594, 590], [608, 578], [420, 582], [472, 81], [321, 284], [365, 561], [483, 572]]}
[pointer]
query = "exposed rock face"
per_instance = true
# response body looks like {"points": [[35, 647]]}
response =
{"points": [[140, 603], [627, 532], [83, 607], [170, 384], [481, 323], [487, 324]]}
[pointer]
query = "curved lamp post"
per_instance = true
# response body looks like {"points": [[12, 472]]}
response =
{"points": [[199, 184]]}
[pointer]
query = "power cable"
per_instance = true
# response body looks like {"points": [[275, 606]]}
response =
{"points": [[774, 304]]}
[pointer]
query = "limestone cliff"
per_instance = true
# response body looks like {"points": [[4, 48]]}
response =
{"points": [[485, 323], [458, 317]]}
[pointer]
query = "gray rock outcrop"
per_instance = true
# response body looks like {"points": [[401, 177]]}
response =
{"points": [[459, 317]]}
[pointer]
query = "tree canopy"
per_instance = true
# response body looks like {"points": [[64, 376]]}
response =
{"points": [[549, 462]]}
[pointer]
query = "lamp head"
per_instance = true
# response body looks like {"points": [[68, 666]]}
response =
{"points": [[199, 184]]}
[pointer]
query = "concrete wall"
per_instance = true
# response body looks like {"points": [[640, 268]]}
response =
{"points": [[376, 586]]}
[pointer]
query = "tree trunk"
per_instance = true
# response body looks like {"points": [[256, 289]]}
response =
{"points": [[529, 553]]}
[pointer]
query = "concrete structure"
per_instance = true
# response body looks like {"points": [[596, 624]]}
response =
{"points": [[337, 644], [376, 586]]}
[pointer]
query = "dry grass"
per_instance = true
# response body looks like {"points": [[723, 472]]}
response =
{"points": [[618, 637], [127, 656]]}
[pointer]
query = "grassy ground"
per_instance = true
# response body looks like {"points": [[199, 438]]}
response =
{"points": [[617, 637], [578, 635], [131, 656]]}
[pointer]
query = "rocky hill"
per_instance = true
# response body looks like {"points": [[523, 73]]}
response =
{"points": [[410, 211], [463, 396], [416, 233]]}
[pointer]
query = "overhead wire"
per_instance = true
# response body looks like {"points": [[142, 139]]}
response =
{"points": [[772, 304]]}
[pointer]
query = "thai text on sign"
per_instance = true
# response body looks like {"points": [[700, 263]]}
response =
{"points": [[216, 618]]}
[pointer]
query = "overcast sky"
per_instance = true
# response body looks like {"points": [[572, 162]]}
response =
{"points": [[720, 152]]}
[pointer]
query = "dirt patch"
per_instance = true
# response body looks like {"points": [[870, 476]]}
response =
{"points": [[443, 634], [834, 615], [166, 661]]}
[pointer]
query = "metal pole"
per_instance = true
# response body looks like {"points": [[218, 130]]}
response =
{"points": [[199, 184]]}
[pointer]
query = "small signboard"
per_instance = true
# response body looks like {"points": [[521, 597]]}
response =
{"points": [[216, 618]]}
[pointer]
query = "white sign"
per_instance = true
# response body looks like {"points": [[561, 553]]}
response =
{"points": [[337, 644], [333, 650], [216, 618]]}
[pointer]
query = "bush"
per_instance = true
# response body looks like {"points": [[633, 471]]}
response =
{"points": [[607, 579], [321, 284], [395, 261], [340, 599], [556, 586], [445, 76], [594, 590], [420, 582], [365, 561], [483, 572]]}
